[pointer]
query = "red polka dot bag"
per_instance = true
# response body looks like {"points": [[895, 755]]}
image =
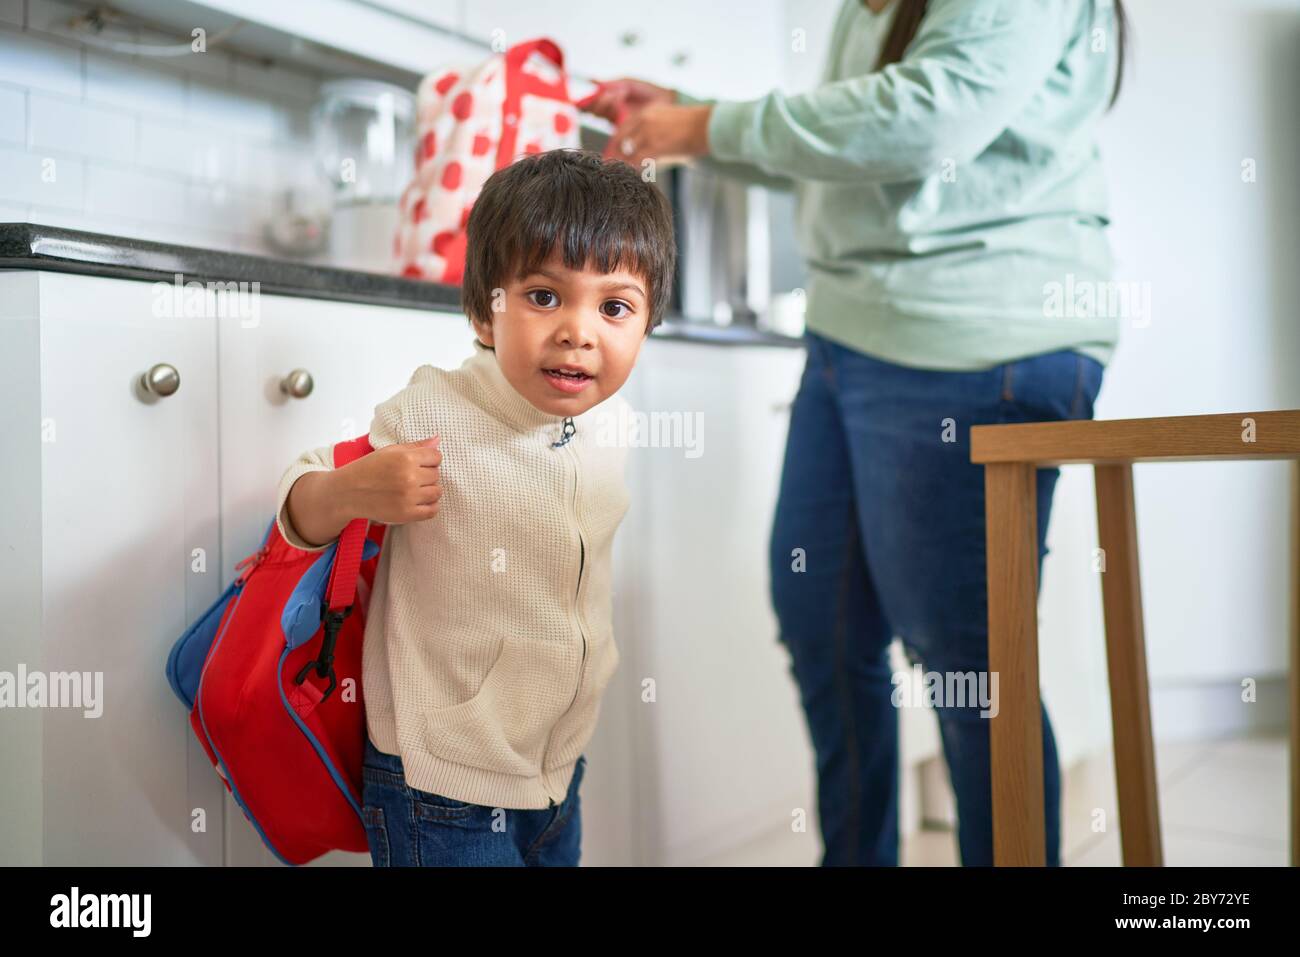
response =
{"points": [[470, 124]]}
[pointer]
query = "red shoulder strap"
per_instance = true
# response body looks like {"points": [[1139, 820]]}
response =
{"points": [[347, 559], [518, 83]]}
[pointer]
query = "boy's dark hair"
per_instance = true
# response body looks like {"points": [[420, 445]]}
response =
{"points": [[592, 211]]}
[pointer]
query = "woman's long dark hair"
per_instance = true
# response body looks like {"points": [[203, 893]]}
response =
{"points": [[909, 15]]}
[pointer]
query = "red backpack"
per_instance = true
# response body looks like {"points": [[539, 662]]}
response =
{"points": [[271, 675]]}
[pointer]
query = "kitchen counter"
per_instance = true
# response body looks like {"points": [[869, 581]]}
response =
{"points": [[33, 246]]}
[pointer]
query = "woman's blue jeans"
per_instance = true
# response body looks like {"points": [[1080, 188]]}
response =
{"points": [[879, 532]]}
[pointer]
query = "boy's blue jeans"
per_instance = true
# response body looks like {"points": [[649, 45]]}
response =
{"points": [[879, 531], [407, 827]]}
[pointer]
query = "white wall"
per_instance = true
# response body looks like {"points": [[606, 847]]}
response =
{"points": [[1210, 84], [190, 149]]}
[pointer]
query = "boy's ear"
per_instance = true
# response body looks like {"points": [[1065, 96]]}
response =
{"points": [[484, 332]]}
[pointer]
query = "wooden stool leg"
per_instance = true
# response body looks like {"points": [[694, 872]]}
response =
{"points": [[1016, 732], [1295, 663], [1135, 766]]}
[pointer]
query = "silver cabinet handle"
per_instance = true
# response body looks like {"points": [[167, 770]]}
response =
{"points": [[297, 383], [161, 380]]}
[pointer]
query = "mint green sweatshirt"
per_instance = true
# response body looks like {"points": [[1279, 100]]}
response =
{"points": [[947, 204]]}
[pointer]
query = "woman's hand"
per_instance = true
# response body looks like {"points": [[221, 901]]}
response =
{"points": [[663, 133], [649, 122], [616, 100]]}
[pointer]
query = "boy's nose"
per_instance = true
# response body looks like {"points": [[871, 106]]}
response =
{"points": [[575, 330]]}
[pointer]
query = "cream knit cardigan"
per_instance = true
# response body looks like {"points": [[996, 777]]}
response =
{"points": [[488, 641]]}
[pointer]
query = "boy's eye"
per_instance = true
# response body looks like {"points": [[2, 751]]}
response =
{"points": [[611, 308]]}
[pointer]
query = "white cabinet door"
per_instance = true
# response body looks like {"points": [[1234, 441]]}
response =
{"points": [[130, 557], [357, 356], [599, 40], [714, 49], [722, 754], [610, 833], [726, 48], [442, 13]]}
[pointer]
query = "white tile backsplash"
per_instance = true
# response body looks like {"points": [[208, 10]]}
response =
{"points": [[191, 149], [207, 155], [211, 206], [175, 148], [13, 116], [132, 195], [134, 85], [45, 180], [236, 110], [276, 80], [32, 61], [73, 127]]}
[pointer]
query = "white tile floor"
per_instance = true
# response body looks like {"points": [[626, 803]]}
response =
{"points": [[1222, 802]]}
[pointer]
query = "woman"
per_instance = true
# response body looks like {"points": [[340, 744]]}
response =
{"points": [[948, 188]]}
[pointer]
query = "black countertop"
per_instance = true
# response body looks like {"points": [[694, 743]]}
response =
{"points": [[32, 246]]}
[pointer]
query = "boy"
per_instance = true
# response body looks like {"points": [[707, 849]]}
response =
{"points": [[489, 638]]}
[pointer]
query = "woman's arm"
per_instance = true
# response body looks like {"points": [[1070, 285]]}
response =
{"points": [[972, 67], [745, 172]]}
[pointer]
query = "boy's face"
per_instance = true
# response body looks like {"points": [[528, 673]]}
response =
{"points": [[566, 339]]}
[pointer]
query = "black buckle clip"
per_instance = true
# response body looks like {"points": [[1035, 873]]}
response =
{"points": [[324, 662]]}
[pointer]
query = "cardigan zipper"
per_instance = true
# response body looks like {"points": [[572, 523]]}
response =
{"points": [[577, 591]]}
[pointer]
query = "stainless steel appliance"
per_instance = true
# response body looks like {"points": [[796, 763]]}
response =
{"points": [[365, 137], [737, 263]]}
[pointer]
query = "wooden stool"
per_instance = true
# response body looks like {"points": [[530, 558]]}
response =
{"points": [[1010, 454]]}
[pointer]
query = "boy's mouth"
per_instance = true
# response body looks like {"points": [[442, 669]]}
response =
{"points": [[568, 379]]}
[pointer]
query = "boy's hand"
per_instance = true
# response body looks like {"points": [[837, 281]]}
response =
{"points": [[396, 484]]}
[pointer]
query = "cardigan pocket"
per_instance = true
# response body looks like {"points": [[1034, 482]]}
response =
{"points": [[495, 730]]}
